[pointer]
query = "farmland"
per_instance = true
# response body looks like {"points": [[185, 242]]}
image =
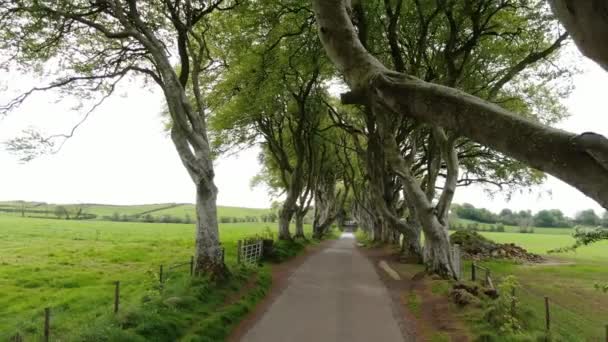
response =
{"points": [[71, 266], [179, 211], [579, 311]]}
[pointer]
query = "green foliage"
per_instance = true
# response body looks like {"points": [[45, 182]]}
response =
{"points": [[578, 309], [587, 218], [504, 312], [551, 218]]}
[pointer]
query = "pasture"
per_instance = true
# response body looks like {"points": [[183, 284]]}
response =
{"points": [[105, 211], [71, 266], [579, 311]]}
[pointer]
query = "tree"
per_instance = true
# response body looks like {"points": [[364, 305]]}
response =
{"points": [[273, 94], [604, 222], [102, 42], [576, 159], [588, 218], [62, 212], [546, 218], [586, 22]]}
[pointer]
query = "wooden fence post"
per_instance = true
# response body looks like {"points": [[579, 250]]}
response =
{"points": [[160, 275], [473, 271], [488, 281], [513, 302], [238, 252], [47, 324], [547, 314], [191, 265], [116, 296]]}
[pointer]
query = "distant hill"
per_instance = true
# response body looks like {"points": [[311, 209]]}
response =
{"points": [[169, 212]]}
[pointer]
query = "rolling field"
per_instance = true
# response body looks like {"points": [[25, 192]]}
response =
{"points": [[71, 266], [178, 210], [188, 209], [579, 311], [515, 229]]}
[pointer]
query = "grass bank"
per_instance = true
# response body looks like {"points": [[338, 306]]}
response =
{"points": [[71, 267]]}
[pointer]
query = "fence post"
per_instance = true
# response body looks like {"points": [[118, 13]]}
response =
{"points": [[458, 261], [191, 265], [116, 296], [473, 271], [47, 324], [160, 275], [513, 302], [547, 315], [488, 277], [238, 252]]}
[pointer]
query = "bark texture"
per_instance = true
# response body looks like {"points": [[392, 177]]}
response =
{"points": [[300, 226], [587, 23], [550, 150]]}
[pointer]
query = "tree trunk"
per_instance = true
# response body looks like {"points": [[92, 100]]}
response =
{"points": [[437, 253], [300, 226], [411, 250], [208, 253], [377, 229], [587, 23], [285, 216], [579, 160]]}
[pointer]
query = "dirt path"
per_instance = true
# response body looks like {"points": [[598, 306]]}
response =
{"points": [[335, 295]]}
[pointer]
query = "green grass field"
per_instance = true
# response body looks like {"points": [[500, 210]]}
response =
{"points": [[188, 209], [71, 266], [579, 311], [515, 229], [178, 210]]}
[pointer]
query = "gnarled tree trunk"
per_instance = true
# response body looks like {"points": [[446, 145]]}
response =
{"points": [[579, 160], [208, 253], [587, 23], [285, 216], [300, 225]]}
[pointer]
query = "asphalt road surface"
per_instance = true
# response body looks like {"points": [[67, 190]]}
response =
{"points": [[335, 295]]}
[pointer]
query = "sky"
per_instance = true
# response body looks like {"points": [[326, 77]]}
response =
{"points": [[122, 155]]}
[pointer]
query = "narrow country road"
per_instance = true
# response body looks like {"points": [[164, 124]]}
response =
{"points": [[335, 295]]}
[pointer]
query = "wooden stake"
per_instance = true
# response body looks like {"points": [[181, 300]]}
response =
{"points": [[160, 275], [473, 272], [47, 324], [513, 302], [116, 296], [191, 265], [547, 314]]}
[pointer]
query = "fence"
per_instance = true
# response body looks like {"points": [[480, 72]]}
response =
{"points": [[49, 316], [249, 251], [560, 319], [457, 259]]}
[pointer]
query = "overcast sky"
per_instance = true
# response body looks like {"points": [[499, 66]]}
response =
{"points": [[121, 154]]}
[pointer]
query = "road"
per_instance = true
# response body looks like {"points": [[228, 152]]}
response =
{"points": [[335, 295]]}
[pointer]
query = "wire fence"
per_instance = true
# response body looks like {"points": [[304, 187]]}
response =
{"points": [[49, 323], [559, 320]]}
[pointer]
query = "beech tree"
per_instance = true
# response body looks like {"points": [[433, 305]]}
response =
{"points": [[96, 44], [273, 93], [579, 160], [449, 43]]}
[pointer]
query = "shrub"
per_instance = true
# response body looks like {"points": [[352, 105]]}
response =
{"points": [[503, 313], [500, 228]]}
